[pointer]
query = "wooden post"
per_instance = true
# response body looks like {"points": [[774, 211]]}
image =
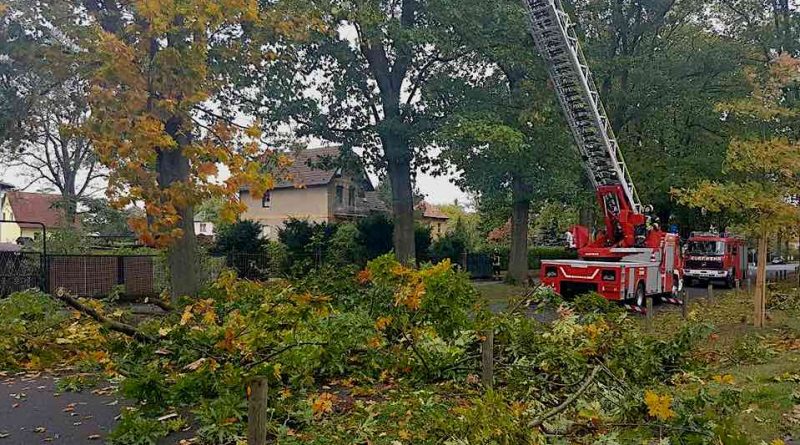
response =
{"points": [[257, 411], [649, 314], [759, 297], [738, 284], [487, 359], [710, 291], [685, 304]]}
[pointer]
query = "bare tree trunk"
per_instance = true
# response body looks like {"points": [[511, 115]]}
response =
{"points": [[520, 211], [399, 169], [761, 283], [182, 260]]}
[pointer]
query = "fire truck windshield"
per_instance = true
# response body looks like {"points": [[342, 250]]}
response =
{"points": [[706, 248]]}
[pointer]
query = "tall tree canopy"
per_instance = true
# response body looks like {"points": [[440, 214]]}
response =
{"points": [[762, 164], [44, 101], [370, 80], [661, 68], [507, 137], [157, 72]]}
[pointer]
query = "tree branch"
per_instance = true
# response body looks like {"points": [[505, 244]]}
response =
{"points": [[123, 328], [570, 400]]}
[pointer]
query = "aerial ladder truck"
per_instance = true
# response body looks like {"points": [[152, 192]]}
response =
{"points": [[630, 258]]}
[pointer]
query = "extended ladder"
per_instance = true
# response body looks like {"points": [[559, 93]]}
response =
{"points": [[555, 38]]}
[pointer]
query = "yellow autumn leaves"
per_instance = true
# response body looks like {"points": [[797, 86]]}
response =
{"points": [[658, 406]]}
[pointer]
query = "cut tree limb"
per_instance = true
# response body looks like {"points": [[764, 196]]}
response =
{"points": [[570, 400], [109, 323]]}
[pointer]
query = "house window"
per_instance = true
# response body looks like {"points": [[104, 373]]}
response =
{"points": [[339, 194], [203, 227], [351, 196], [266, 201], [361, 193]]}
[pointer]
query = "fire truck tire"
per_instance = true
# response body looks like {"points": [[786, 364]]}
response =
{"points": [[640, 295], [730, 282]]}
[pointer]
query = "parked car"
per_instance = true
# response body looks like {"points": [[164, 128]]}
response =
{"points": [[779, 260]]}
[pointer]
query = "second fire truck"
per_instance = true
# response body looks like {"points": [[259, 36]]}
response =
{"points": [[711, 256], [631, 258]]}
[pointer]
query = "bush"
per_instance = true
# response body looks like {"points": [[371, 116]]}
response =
{"points": [[344, 247], [240, 237], [422, 243], [306, 244], [452, 246], [376, 235]]}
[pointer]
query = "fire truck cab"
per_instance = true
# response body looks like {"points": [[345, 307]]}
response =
{"points": [[712, 256]]}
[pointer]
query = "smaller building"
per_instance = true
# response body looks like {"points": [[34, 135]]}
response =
{"points": [[433, 217], [203, 227], [28, 209]]}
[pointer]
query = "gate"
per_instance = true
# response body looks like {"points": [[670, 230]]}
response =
{"points": [[20, 271]]}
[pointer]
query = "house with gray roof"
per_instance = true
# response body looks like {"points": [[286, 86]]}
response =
{"points": [[320, 185]]}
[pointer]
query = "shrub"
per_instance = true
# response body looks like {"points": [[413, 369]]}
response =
{"points": [[376, 235], [240, 237], [306, 244], [344, 247], [452, 246], [422, 243]]}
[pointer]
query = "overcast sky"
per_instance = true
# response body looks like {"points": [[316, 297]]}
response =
{"points": [[438, 190]]}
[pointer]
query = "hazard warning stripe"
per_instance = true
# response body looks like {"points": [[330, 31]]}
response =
{"points": [[672, 300], [636, 309]]}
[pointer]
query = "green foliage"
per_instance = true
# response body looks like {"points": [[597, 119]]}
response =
{"points": [[134, 428], [422, 242], [36, 332], [306, 244], [375, 234], [105, 220], [452, 246], [240, 237], [344, 247], [63, 242], [221, 419]]}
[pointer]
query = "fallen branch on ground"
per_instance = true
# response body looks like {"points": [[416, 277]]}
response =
{"points": [[102, 319], [570, 400]]}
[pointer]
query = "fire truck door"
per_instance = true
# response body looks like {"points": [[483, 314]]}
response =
{"points": [[669, 265]]}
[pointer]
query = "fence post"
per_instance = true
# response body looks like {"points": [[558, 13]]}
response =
{"points": [[685, 304], [120, 270], [649, 313], [487, 359], [710, 291], [257, 411]]}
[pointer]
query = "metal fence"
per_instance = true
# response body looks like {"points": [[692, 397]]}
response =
{"points": [[102, 275], [20, 271]]}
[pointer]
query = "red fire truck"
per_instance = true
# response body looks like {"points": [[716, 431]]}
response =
{"points": [[631, 258], [711, 256]]}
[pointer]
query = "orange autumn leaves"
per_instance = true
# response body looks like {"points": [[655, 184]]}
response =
{"points": [[153, 122]]}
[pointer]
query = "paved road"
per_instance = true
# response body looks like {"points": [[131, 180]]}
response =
{"points": [[33, 412]]}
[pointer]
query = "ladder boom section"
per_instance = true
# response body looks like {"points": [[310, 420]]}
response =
{"points": [[557, 42]]}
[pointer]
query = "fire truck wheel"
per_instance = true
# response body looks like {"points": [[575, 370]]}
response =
{"points": [[640, 295], [730, 282]]}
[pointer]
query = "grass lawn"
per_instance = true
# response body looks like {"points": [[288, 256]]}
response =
{"points": [[762, 365], [497, 293]]}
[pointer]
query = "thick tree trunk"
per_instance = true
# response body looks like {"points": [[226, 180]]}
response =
{"points": [[182, 259], [520, 211], [399, 169], [760, 295]]}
